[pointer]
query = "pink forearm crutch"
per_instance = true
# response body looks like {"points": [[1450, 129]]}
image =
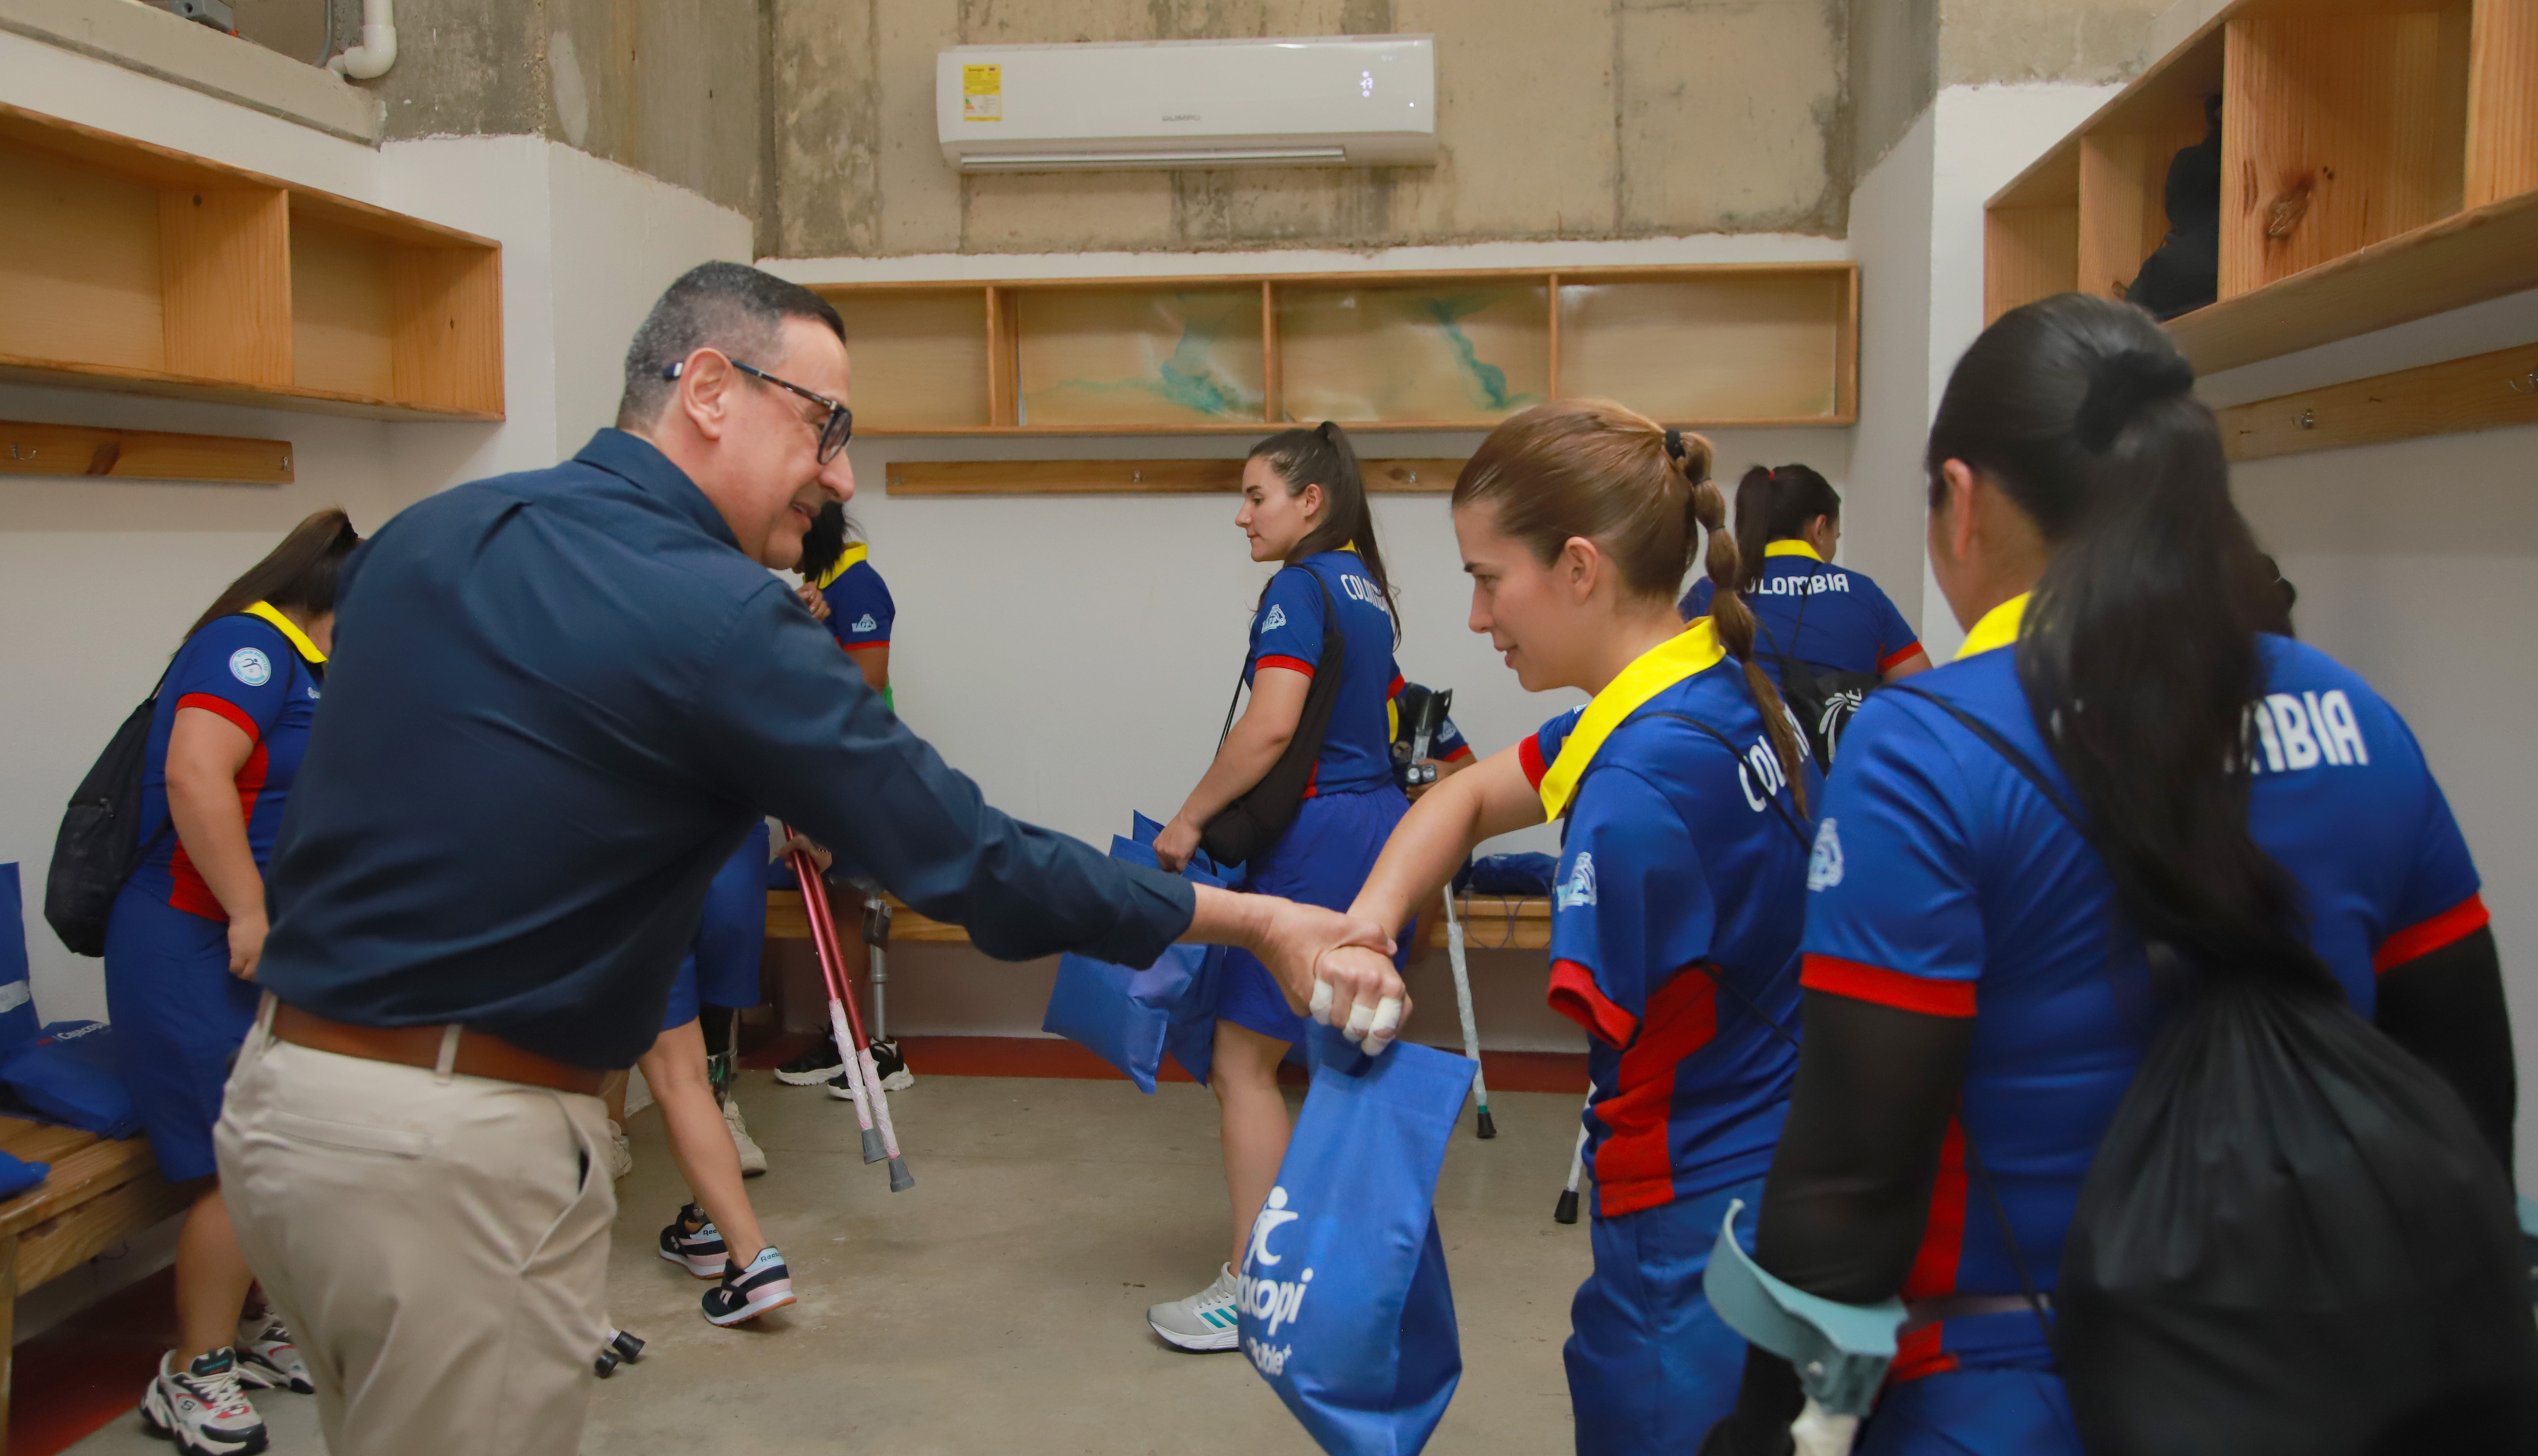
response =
{"points": [[847, 1023]]}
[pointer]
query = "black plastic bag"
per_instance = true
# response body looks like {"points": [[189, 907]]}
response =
{"points": [[2292, 1239]]}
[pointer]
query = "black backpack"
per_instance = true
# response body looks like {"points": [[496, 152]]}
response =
{"points": [[1254, 821], [2291, 1240], [99, 844], [1824, 703]]}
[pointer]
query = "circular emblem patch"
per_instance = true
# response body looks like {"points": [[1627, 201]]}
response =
{"points": [[249, 666]]}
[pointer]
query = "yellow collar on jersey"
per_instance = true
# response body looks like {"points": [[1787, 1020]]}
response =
{"points": [[1791, 549], [289, 629], [1998, 628], [1694, 649], [855, 552]]}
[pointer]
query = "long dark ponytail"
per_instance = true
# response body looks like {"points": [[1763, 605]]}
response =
{"points": [[1323, 456], [2138, 651], [298, 575], [1775, 504], [1643, 493]]}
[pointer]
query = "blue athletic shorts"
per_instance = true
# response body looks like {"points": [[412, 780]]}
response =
{"points": [[722, 963], [1651, 1366], [2002, 1410], [1322, 859], [179, 1018]]}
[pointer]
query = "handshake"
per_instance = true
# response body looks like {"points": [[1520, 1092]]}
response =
{"points": [[1336, 968]]}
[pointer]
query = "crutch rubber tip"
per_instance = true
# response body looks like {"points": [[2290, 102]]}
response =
{"points": [[901, 1179], [606, 1364], [1489, 1128], [1567, 1211], [629, 1348], [874, 1151]]}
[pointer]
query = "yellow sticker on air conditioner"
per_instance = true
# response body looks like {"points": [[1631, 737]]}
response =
{"points": [[983, 92]]}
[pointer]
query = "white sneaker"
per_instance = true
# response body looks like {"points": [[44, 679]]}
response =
{"points": [[201, 1408], [268, 1358], [753, 1159], [621, 1151], [1206, 1321]]}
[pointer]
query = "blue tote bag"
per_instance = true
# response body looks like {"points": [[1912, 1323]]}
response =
{"points": [[1346, 1309], [69, 1076], [1131, 1016], [17, 1024]]}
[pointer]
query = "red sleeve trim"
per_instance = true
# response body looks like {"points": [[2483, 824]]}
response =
{"points": [[212, 703], [1529, 754], [1573, 994], [1290, 664], [1930, 998], [1464, 755], [1888, 662], [2454, 924], [1394, 690]]}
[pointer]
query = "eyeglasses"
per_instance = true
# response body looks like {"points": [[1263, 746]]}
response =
{"points": [[835, 430]]}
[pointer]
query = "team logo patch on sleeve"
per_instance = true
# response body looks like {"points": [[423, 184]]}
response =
{"points": [[1579, 887], [865, 622], [1276, 618], [251, 667], [1824, 867]]}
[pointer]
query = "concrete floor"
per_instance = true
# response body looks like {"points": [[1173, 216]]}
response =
{"points": [[998, 1305]]}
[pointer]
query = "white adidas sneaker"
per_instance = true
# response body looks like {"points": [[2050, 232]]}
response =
{"points": [[1206, 1321]]}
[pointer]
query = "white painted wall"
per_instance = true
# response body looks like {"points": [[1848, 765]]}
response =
{"points": [[98, 579]]}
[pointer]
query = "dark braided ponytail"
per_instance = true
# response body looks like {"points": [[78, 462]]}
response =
{"points": [[1730, 616]]}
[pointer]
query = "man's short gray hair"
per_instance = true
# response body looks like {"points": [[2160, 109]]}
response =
{"points": [[730, 306]]}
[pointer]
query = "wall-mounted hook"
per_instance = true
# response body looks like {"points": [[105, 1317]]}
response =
{"points": [[2305, 419], [2526, 385]]}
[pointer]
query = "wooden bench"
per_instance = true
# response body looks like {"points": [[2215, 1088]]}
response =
{"points": [[97, 1194]]}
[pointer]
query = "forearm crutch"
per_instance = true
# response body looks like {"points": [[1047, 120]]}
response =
{"points": [[846, 1022], [1565, 1210], [1463, 1004]]}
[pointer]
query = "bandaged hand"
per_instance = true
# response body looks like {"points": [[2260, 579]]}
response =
{"points": [[1302, 945], [1358, 990]]}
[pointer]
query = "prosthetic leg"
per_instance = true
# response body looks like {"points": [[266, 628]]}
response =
{"points": [[887, 1056], [1565, 1210]]}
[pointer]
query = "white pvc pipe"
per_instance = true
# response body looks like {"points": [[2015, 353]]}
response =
{"points": [[370, 59]]}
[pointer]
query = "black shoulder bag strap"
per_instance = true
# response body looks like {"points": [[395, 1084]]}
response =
{"points": [[2027, 769], [1243, 678], [1796, 831]]}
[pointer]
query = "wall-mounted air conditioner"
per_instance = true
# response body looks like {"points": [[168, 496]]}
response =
{"points": [[1343, 101]]}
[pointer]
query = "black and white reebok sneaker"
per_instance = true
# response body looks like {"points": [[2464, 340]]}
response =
{"points": [[201, 1407], [695, 1244], [814, 1065], [746, 1293], [267, 1356]]}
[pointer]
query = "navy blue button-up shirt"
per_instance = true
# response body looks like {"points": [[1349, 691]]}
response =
{"points": [[558, 701]]}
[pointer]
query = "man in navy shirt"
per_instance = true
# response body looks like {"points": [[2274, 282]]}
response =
{"points": [[563, 698]]}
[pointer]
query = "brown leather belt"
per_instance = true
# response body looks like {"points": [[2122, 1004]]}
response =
{"points": [[479, 1053]]}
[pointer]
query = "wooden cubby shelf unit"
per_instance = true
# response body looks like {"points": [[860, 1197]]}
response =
{"points": [[129, 265], [1737, 344], [2379, 164]]}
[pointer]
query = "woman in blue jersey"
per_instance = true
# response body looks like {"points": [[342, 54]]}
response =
{"points": [[1303, 506], [226, 742], [1974, 973], [1832, 619], [1683, 790]]}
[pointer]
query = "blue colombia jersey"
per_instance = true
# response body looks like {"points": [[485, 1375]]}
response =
{"points": [[1824, 615], [1944, 882], [860, 610], [1287, 632], [1678, 868], [261, 674]]}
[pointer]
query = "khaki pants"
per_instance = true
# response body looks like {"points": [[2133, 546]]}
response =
{"points": [[440, 1245]]}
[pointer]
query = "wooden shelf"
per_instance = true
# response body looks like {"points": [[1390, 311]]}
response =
{"points": [[2487, 391], [27, 448], [2379, 162], [1697, 345], [133, 267]]}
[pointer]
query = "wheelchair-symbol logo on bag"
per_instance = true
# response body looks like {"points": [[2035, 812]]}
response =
{"points": [[1274, 1301], [1580, 890], [1272, 1218], [249, 666]]}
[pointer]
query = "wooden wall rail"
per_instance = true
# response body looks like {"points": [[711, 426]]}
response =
{"points": [[2486, 391], [29, 448], [1134, 477]]}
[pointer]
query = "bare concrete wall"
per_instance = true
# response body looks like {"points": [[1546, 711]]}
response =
{"points": [[671, 88], [1894, 73], [1557, 119], [2088, 42]]}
